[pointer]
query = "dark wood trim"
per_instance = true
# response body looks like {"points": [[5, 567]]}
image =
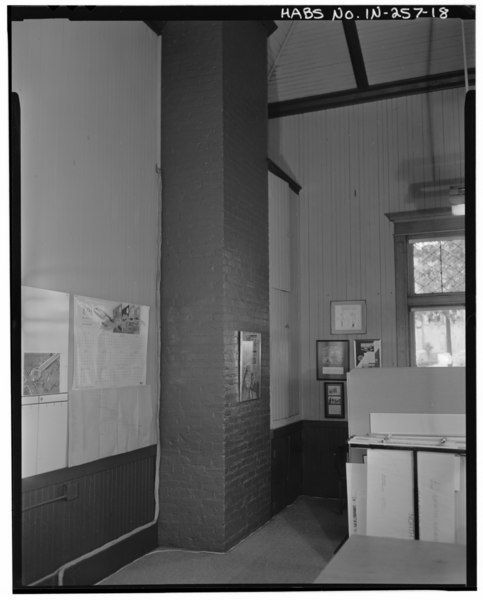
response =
{"points": [[286, 430], [325, 423], [323, 468], [286, 465], [63, 475], [427, 221], [421, 229], [424, 214], [435, 300], [276, 170], [393, 89], [355, 53]]}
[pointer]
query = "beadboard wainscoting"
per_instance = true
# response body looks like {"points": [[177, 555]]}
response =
{"points": [[70, 512]]}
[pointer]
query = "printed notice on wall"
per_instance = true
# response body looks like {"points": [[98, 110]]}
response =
{"points": [[45, 339], [110, 343]]}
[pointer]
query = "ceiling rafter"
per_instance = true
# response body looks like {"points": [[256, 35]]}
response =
{"points": [[355, 53], [280, 50]]}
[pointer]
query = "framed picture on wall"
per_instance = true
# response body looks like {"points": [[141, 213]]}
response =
{"points": [[334, 400], [250, 345], [367, 354], [332, 359], [348, 316]]}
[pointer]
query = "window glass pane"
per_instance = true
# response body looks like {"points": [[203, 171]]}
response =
{"points": [[439, 337], [438, 266]]}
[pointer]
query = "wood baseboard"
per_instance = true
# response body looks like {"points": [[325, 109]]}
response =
{"points": [[98, 567]]}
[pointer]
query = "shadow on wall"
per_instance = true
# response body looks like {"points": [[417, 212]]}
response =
{"points": [[431, 177], [432, 189]]}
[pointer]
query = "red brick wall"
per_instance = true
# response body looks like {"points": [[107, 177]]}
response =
{"points": [[246, 290], [215, 470]]}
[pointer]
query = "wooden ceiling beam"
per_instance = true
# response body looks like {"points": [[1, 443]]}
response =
{"points": [[355, 53], [393, 89], [276, 170]]}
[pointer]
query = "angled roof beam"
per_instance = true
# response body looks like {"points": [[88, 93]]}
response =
{"points": [[280, 50], [355, 52]]}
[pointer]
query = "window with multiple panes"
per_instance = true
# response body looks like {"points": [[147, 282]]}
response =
{"points": [[430, 288]]}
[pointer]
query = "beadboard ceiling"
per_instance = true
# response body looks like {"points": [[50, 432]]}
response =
{"points": [[320, 64]]}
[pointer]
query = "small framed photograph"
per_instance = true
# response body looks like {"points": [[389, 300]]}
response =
{"points": [[332, 359], [348, 316], [250, 348], [334, 400], [367, 354]]}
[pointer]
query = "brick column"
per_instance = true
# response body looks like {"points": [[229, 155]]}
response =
{"points": [[215, 451]]}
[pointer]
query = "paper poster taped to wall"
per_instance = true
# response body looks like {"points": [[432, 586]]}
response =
{"points": [[41, 373], [45, 341], [110, 343], [250, 365], [105, 422]]}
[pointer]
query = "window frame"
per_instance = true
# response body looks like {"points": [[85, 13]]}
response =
{"points": [[409, 226]]}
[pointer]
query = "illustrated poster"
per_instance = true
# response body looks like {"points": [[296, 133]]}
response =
{"points": [[45, 341], [110, 343], [367, 353], [250, 361]]}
